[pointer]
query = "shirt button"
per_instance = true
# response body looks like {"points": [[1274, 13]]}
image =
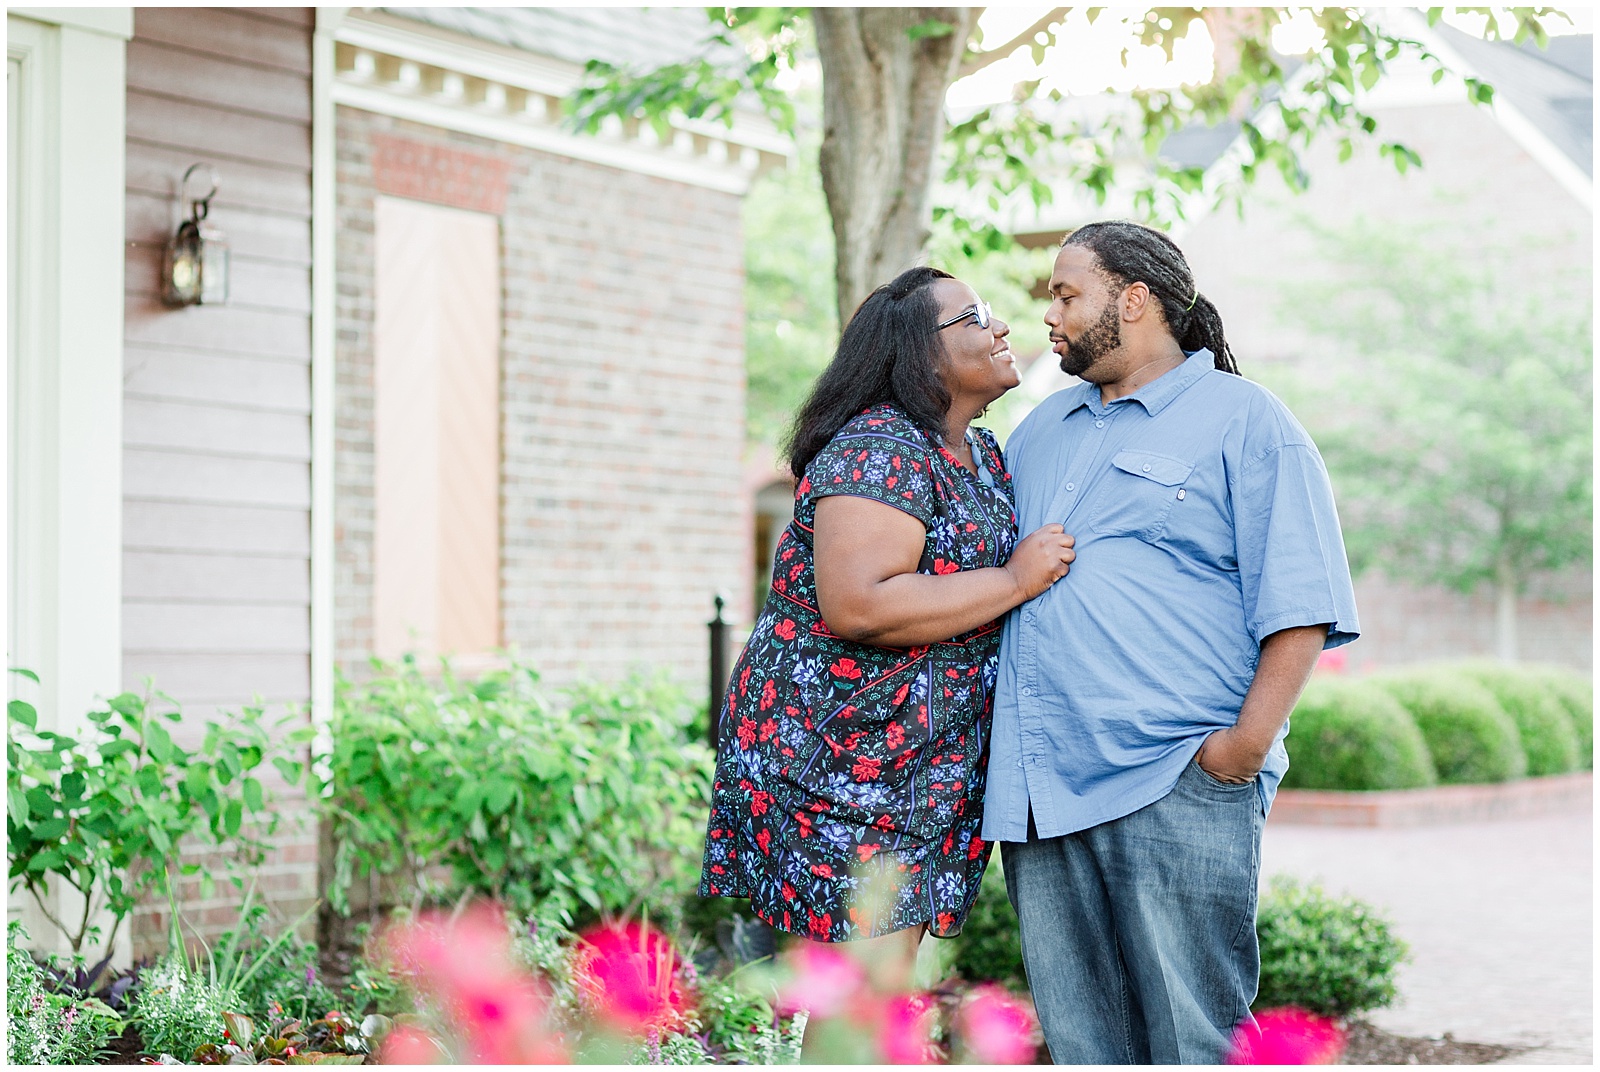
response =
{"points": [[1099, 424], [1147, 468], [1027, 690], [1072, 487]]}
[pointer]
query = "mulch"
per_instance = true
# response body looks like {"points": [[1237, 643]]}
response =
{"points": [[1368, 1045]]}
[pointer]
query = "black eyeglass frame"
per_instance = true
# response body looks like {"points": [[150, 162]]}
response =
{"points": [[980, 312]]}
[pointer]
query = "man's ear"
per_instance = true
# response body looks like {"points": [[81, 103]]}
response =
{"points": [[1135, 301]]}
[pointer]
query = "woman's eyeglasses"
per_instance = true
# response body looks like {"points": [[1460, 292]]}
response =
{"points": [[979, 312]]}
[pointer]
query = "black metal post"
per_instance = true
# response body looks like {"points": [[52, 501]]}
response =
{"points": [[719, 667]]}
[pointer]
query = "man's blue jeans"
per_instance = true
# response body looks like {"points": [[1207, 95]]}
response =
{"points": [[1138, 935]]}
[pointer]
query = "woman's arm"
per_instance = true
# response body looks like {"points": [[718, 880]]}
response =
{"points": [[869, 590]]}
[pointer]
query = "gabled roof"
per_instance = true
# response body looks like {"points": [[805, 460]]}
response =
{"points": [[1553, 87], [622, 36]]}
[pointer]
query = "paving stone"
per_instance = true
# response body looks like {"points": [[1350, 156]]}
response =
{"points": [[1499, 916]]}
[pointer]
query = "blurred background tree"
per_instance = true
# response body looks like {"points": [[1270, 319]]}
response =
{"points": [[1453, 403]]}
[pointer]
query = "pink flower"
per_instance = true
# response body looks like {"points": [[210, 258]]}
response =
{"points": [[1286, 1037], [1333, 660], [408, 1046], [996, 1029], [824, 981], [630, 974], [904, 1029], [497, 1010]]}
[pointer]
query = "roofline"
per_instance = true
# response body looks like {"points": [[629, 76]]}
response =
{"points": [[1522, 130], [413, 70]]}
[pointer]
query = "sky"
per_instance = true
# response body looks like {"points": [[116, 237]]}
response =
{"points": [[1087, 57]]}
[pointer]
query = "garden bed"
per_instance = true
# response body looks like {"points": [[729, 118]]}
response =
{"points": [[1435, 804]]}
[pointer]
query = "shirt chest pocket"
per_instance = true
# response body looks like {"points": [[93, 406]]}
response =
{"points": [[1139, 493]]}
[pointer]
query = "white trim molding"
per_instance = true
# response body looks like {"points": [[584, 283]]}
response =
{"points": [[324, 353], [111, 21], [413, 71], [64, 365]]}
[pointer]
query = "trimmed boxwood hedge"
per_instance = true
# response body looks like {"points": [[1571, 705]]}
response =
{"points": [[1543, 724], [1347, 734], [1334, 956], [1575, 693], [1470, 738]]}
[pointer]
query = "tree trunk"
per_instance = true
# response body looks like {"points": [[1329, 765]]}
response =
{"points": [[1505, 610], [883, 121]]}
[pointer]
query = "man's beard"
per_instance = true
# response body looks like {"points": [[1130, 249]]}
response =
{"points": [[1098, 340]]}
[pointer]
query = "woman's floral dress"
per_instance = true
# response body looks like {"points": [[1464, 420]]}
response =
{"points": [[849, 784]]}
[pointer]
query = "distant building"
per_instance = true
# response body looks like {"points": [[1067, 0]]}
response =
{"points": [[1518, 173], [478, 381]]}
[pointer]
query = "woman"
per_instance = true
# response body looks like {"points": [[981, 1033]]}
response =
{"points": [[853, 740]]}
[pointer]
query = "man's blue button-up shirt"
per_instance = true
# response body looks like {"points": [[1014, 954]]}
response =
{"points": [[1204, 523]]}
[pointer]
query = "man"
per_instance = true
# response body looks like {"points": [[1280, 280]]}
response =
{"points": [[1142, 701]]}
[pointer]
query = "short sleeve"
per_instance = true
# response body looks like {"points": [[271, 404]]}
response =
{"points": [[1292, 566], [877, 463]]}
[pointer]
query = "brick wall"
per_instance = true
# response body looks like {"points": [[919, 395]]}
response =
{"points": [[622, 402]]}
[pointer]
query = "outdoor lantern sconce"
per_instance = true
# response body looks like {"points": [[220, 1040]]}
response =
{"points": [[196, 267]]}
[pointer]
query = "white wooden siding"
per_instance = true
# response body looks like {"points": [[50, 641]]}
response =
{"points": [[217, 400]]}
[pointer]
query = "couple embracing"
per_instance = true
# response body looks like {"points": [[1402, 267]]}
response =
{"points": [[1106, 694]]}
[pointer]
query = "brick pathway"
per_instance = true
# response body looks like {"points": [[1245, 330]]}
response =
{"points": [[1499, 917]]}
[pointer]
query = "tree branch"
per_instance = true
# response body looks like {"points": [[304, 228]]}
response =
{"points": [[980, 60]]}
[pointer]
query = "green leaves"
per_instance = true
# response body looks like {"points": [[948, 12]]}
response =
{"points": [[104, 812], [23, 712], [930, 28], [599, 804]]}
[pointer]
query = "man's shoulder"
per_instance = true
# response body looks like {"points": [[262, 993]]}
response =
{"points": [[1261, 415]]}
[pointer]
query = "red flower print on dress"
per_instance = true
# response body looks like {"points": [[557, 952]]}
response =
{"points": [[896, 735], [769, 694], [747, 732], [866, 852], [785, 629], [825, 870], [768, 728], [760, 800], [821, 925], [764, 839], [902, 692], [943, 567], [866, 769], [846, 668], [788, 892], [975, 848]]}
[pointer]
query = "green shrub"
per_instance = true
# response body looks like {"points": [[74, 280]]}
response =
{"points": [[43, 1028], [598, 803], [104, 813], [990, 946], [1575, 693], [1469, 737], [1348, 734], [1331, 956], [178, 1009], [1543, 724]]}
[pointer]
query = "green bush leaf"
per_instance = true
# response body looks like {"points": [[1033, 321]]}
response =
{"points": [[23, 712]]}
